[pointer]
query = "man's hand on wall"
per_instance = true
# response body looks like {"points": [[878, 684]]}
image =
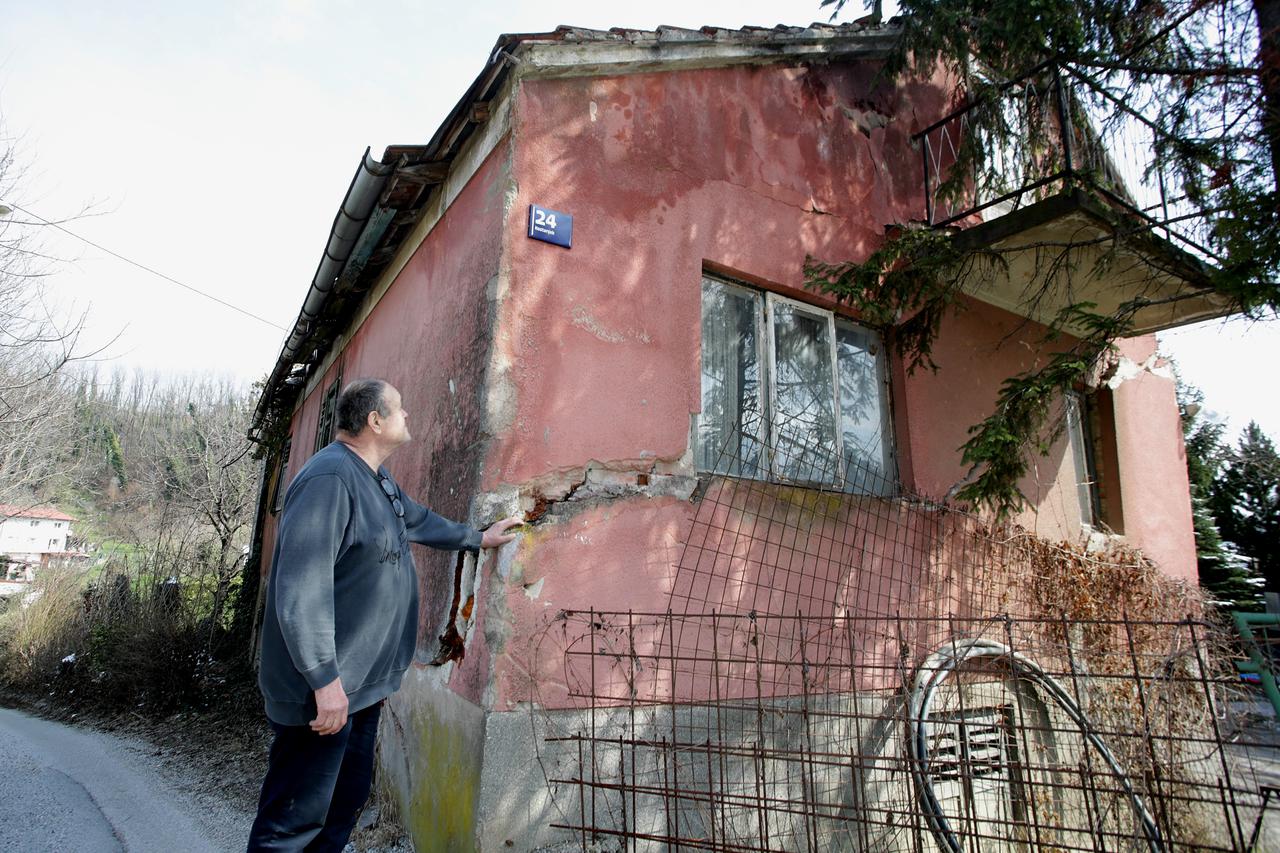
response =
{"points": [[496, 535], [331, 708]]}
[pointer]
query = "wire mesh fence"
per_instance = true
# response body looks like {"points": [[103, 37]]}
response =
{"points": [[849, 671], [803, 733]]}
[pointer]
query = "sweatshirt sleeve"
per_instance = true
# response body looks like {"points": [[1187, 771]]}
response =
{"points": [[427, 528], [311, 532]]}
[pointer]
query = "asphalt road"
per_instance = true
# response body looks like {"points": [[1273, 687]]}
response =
{"points": [[64, 789]]}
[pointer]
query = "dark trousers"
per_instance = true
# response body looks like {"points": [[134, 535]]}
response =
{"points": [[315, 785]]}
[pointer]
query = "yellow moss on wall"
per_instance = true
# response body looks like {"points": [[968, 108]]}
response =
{"points": [[445, 761]]}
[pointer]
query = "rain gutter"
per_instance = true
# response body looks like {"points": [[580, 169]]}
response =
{"points": [[364, 218], [348, 239]]}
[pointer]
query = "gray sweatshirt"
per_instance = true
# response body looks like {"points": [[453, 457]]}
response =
{"points": [[342, 600]]}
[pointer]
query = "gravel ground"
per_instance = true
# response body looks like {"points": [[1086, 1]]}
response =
{"points": [[217, 767], [213, 768]]}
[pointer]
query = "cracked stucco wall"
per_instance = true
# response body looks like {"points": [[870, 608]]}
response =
{"points": [[1125, 369], [743, 170], [665, 175], [593, 379], [738, 171], [1154, 492], [571, 402]]}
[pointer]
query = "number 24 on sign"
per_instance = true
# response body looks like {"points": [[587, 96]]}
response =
{"points": [[551, 226], [544, 218]]}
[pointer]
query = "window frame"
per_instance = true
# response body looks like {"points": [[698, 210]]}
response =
{"points": [[282, 468], [771, 303], [328, 415], [766, 302], [1084, 461]]}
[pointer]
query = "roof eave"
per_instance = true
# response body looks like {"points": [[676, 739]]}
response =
{"points": [[413, 172]]}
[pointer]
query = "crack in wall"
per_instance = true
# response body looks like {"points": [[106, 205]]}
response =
{"points": [[1124, 369], [583, 320], [546, 501], [556, 498]]}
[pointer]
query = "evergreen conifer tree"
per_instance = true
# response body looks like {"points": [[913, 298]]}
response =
{"points": [[1245, 500]]}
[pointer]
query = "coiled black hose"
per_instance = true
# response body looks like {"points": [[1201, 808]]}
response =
{"points": [[935, 669]]}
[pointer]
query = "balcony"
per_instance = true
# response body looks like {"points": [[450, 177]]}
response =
{"points": [[1065, 194]]}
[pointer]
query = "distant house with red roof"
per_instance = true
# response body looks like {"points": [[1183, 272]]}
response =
{"points": [[32, 535]]}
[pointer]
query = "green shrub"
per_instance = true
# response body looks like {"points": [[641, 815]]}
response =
{"points": [[153, 639]]}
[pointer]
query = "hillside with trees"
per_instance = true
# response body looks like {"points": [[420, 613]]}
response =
{"points": [[161, 481]]}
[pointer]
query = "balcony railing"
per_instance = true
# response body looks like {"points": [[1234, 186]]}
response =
{"points": [[1045, 133]]}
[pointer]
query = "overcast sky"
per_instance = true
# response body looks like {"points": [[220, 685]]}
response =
{"points": [[213, 142]]}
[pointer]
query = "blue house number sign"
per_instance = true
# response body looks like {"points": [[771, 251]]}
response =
{"points": [[550, 226]]}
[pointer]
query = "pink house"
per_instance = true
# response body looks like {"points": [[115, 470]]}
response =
{"points": [[593, 378]]}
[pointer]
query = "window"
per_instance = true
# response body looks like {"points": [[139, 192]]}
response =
{"points": [[277, 489], [53, 543], [35, 523], [791, 392], [1080, 446], [328, 407]]}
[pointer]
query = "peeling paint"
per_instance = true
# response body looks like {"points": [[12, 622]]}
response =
{"points": [[1126, 369], [501, 399], [553, 500], [662, 475], [509, 198], [866, 120], [533, 590]]}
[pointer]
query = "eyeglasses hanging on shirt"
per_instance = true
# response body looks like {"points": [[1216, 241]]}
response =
{"points": [[389, 489]]}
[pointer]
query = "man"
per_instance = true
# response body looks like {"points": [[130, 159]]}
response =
{"points": [[341, 621]]}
